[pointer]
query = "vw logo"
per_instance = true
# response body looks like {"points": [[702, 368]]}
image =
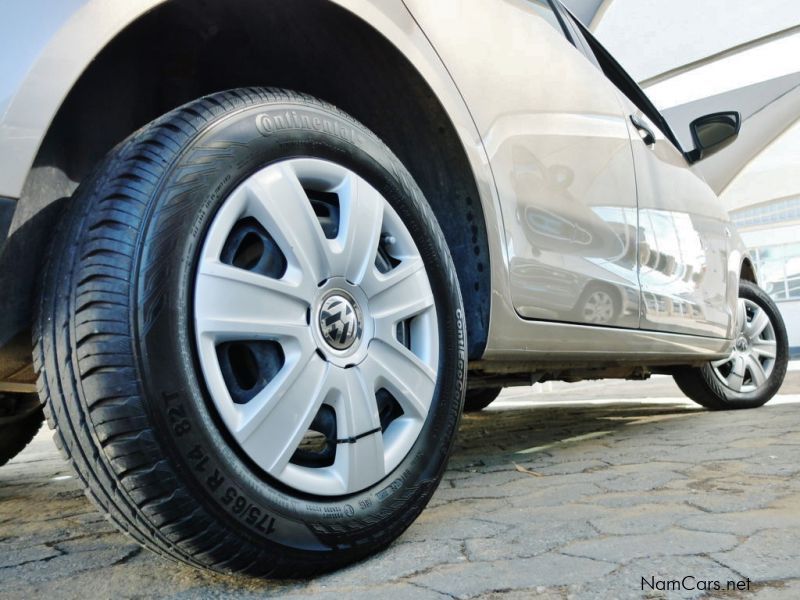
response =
{"points": [[339, 322]]}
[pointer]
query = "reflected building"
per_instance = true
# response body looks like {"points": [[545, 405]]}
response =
{"points": [[748, 61]]}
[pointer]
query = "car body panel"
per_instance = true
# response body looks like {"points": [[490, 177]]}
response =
{"points": [[542, 342], [44, 67], [60, 39], [683, 246], [560, 152]]}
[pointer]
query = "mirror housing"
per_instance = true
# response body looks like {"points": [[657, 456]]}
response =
{"points": [[711, 133]]}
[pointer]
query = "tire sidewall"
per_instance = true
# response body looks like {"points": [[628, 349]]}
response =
{"points": [[186, 201]]}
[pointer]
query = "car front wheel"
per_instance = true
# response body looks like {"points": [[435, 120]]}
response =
{"points": [[251, 337], [756, 367]]}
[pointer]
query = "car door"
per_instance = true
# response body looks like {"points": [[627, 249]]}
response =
{"points": [[683, 241], [683, 229], [559, 147]]}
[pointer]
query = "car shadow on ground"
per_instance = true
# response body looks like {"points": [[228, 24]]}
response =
{"points": [[495, 434]]}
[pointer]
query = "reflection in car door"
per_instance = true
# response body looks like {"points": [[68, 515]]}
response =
{"points": [[683, 230], [683, 245], [559, 149]]}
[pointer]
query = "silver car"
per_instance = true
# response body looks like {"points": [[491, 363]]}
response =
{"points": [[259, 255]]}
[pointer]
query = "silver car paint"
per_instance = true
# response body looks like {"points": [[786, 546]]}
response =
{"points": [[684, 247], [561, 156], [45, 46], [560, 152], [40, 69]]}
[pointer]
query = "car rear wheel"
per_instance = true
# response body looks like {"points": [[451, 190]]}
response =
{"points": [[251, 337], [754, 371], [20, 419]]}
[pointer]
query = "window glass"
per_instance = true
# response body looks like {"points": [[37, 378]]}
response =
{"points": [[777, 263], [778, 269], [776, 212]]}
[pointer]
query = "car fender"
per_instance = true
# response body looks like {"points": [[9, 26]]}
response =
{"points": [[46, 45]]}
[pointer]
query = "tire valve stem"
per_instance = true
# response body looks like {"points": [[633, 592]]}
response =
{"points": [[388, 239]]}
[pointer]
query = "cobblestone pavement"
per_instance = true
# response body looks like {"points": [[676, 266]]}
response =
{"points": [[576, 499]]}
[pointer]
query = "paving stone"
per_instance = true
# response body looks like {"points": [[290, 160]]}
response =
{"points": [[775, 590], [528, 539], [535, 491], [641, 481], [523, 513], [145, 576], [744, 523], [766, 555], [65, 565], [615, 492], [674, 542], [684, 577], [574, 467], [623, 500], [540, 593], [398, 591], [432, 529], [400, 560], [12, 555], [643, 519], [473, 579]]}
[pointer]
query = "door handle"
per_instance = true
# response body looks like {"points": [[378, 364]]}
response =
{"points": [[647, 134]]}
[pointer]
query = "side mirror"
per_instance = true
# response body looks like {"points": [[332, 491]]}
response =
{"points": [[714, 132]]}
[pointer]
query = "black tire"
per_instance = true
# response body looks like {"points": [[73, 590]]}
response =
{"points": [[705, 388], [21, 422], [477, 400], [117, 369]]}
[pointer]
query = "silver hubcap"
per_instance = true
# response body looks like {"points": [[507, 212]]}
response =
{"points": [[316, 327], [753, 357]]}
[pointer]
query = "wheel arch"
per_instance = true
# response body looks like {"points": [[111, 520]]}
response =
{"points": [[176, 52], [748, 271]]}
